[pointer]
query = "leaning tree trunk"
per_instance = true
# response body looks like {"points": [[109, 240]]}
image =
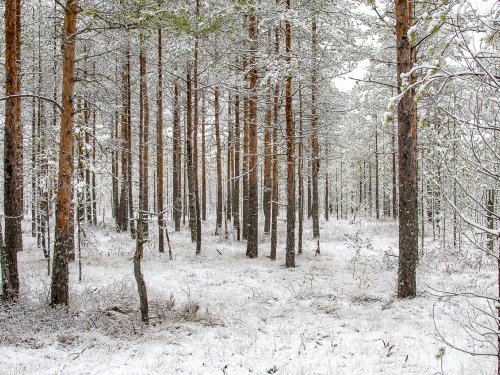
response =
{"points": [[407, 141], [63, 235]]}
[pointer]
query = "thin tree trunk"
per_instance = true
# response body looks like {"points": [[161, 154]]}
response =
{"points": [[236, 187], [203, 159], [144, 112], [245, 168], [290, 154], [122, 215], [176, 162], [60, 272], [394, 174], [300, 166], [326, 198], [230, 166], [189, 157], [159, 148], [195, 140], [218, 224], [314, 138], [267, 161], [274, 193], [377, 198]]}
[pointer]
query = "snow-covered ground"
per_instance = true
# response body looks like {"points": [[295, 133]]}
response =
{"points": [[221, 313]]}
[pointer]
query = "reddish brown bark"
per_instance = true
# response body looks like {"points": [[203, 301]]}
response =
{"points": [[407, 141], [253, 193], [63, 235], [10, 278]]}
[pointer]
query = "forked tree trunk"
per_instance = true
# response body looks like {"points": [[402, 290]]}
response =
{"points": [[63, 235], [407, 141]]}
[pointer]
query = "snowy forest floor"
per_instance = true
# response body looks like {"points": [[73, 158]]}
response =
{"points": [[221, 313]]}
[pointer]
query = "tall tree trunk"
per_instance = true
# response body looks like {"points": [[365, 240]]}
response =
{"points": [[144, 109], [34, 171], [245, 168], [314, 137], [140, 239], [236, 187], [122, 215], [93, 190], [176, 161], [189, 157], [87, 204], [290, 150], [394, 174], [326, 198], [274, 193], [203, 159], [159, 148], [267, 160], [195, 139], [128, 92], [377, 197], [10, 277], [63, 235], [218, 224], [407, 141], [253, 193], [230, 166], [490, 214], [115, 165], [19, 132], [300, 166]]}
